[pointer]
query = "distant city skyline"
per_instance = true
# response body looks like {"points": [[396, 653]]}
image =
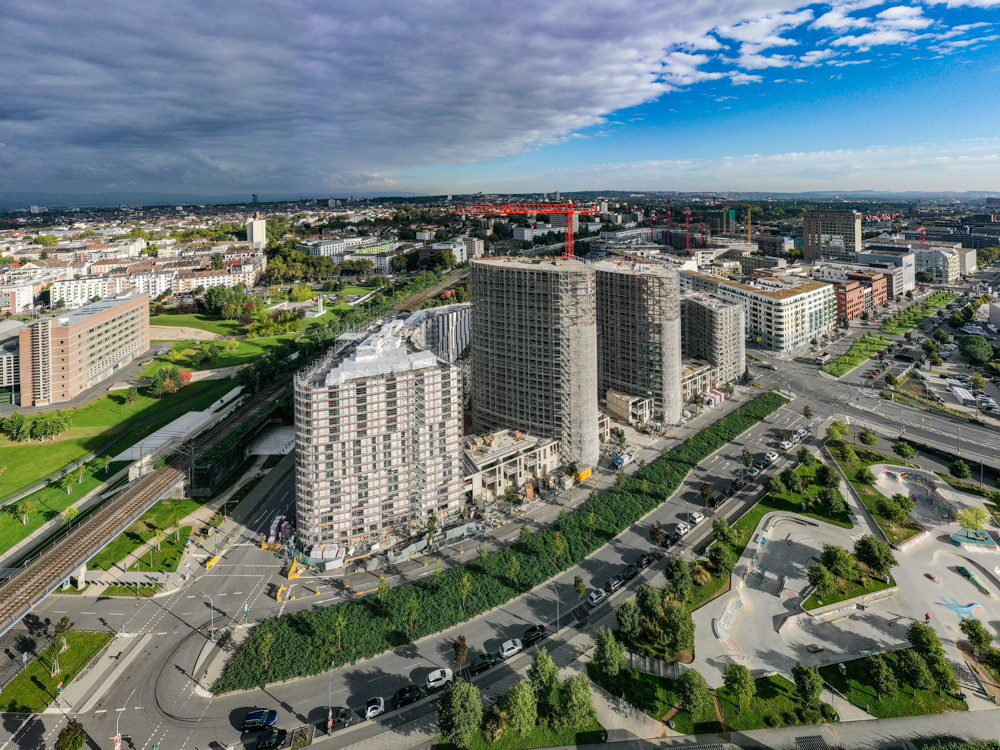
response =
{"points": [[305, 98]]}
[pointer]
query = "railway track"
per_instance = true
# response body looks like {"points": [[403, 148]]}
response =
{"points": [[413, 303]]}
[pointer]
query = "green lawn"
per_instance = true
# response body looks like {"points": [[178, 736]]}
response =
{"points": [[163, 515], [34, 688], [655, 696], [93, 426], [541, 736], [211, 323], [862, 350], [849, 588], [940, 299], [244, 351], [916, 314], [792, 502], [855, 686], [869, 495], [776, 704]]}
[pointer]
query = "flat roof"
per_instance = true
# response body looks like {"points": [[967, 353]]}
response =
{"points": [[805, 286], [80, 314], [551, 265]]}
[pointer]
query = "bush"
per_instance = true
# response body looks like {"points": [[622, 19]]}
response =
{"points": [[302, 643], [960, 469]]}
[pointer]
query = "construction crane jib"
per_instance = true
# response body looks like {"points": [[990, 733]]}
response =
{"points": [[569, 209]]}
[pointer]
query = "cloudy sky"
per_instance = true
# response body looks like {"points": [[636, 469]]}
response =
{"points": [[429, 96]]}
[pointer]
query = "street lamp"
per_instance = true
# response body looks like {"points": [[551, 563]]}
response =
{"points": [[329, 699], [556, 592], [212, 605], [118, 721]]}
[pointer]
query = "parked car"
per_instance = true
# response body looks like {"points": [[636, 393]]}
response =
{"points": [[729, 491], [374, 707], [770, 457], [697, 518], [254, 721], [682, 528], [405, 696], [341, 717], [671, 539], [596, 597], [802, 433], [629, 572], [614, 583], [738, 484], [439, 678], [796, 438], [760, 465], [272, 740], [511, 648], [753, 472], [644, 561], [786, 444], [534, 634], [482, 663]]}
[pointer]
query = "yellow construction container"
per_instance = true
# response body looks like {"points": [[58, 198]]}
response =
{"points": [[583, 474]]}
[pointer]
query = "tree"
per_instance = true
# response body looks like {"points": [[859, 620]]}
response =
{"points": [[880, 676], [722, 559], [460, 713], [609, 654], [941, 672], [868, 436], [384, 587], [484, 550], [960, 469], [706, 491], [847, 454], [70, 513], [579, 586], [577, 701], [66, 483], [864, 476], [838, 560], [166, 380], [339, 625], [876, 554], [913, 671], [891, 379], [942, 336], [978, 634], [739, 682], [522, 708], [791, 479], [888, 508], [678, 624], [131, 394], [543, 675], [693, 692], [808, 683], [678, 573], [923, 638], [827, 476], [804, 457], [976, 348], [466, 587], [629, 621], [908, 336], [461, 649], [513, 567], [922, 277], [972, 519], [432, 524], [722, 531], [977, 381], [71, 737], [841, 428], [747, 457], [218, 262], [773, 485], [807, 412], [822, 579], [61, 630], [904, 450], [656, 532]]}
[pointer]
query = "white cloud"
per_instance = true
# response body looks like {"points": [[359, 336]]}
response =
{"points": [[904, 17], [763, 33], [740, 79]]}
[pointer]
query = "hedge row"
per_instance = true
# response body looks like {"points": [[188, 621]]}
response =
{"points": [[305, 643]]}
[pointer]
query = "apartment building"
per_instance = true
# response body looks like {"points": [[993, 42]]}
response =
{"points": [[474, 247], [16, 298], [899, 277], [10, 362], [76, 292], [534, 351], [64, 356], [257, 232], [154, 283], [336, 247], [782, 311], [505, 461], [831, 235], [713, 329], [378, 442], [774, 245], [445, 331], [750, 263], [639, 333]]}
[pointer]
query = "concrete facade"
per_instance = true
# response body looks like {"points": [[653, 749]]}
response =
{"points": [[713, 329], [534, 351], [446, 331], [63, 356], [505, 461], [831, 235], [639, 333], [378, 442]]}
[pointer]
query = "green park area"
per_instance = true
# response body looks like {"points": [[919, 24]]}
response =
{"points": [[892, 689], [212, 323], [95, 427], [776, 703], [853, 459], [916, 314], [862, 350], [34, 688], [231, 353]]}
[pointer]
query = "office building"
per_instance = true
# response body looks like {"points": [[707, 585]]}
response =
{"points": [[534, 351], [880, 255], [257, 231], [782, 311], [713, 329], [639, 333], [831, 235], [64, 356], [750, 263], [942, 263], [378, 442]]}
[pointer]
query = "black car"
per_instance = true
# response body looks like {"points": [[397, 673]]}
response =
{"points": [[738, 484], [670, 539], [341, 717], [729, 491], [534, 634], [260, 719], [272, 740], [406, 696], [760, 465], [644, 561], [630, 572], [615, 583], [482, 663]]}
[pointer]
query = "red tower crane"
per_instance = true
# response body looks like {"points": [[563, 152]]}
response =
{"points": [[567, 209], [687, 228], [923, 236]]}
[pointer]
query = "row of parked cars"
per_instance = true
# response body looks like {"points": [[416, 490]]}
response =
{"points": [[617, 581]]}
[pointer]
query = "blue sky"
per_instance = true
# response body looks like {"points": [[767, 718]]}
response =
{"points": [[426, 96]]}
